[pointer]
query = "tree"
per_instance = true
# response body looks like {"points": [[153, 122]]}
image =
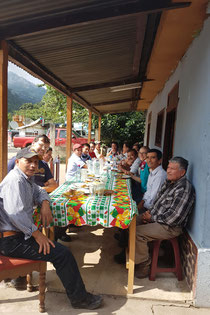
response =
{"points": [[53, 108], [123, 127], [118, 127]]}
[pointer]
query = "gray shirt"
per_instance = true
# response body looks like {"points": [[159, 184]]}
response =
{"points": [[18, 195], [135, 166]]}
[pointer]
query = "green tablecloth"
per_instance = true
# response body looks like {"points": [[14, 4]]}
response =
{"points": [[115, 210]]}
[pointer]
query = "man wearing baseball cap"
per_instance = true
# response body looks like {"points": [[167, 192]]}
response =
{"points": [[75, 162], [19, 236]]}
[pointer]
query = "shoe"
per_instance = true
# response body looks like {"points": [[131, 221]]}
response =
{"points": [[120, 258], [142, 270], [65, 238], [19, 284], [91, 302]]}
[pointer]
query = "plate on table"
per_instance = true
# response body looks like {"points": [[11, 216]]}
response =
{"points": [[75, 193], [80, 185]]}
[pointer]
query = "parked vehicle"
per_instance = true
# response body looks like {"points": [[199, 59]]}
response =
{"points": [[60, 139]]}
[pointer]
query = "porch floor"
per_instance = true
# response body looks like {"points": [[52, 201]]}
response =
{"points": [[94, 248]]}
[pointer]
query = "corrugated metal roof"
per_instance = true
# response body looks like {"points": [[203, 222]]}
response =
{"points": [[104, 50], [86, 54], [11, 10]]}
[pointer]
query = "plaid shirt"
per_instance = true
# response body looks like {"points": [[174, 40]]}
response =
{"points": [[173, 203]]}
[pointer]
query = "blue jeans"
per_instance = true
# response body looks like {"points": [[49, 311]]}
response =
{"points": [[60, 256]]}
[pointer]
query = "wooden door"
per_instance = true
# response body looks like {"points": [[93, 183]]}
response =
{"points": [[168, 146]]}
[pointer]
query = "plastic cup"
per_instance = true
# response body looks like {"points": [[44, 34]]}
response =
{"points": [[84, 173], [100, 189]]}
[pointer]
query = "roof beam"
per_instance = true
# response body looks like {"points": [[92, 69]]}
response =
{"points": [[117, 111], [28, 63], [88, 14], [125, 100], [108, 84]]}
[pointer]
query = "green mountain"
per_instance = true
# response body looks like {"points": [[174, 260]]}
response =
{"points": [[22, 91]]}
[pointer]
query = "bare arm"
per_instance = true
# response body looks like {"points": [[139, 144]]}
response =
{"points": [[136, 178]]}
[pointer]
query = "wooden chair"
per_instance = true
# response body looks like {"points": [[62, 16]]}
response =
{"points": [[12, 268], [154, 265], [56, 171]]}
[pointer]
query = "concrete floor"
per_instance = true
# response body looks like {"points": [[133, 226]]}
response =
{"points": [[93, 249]]}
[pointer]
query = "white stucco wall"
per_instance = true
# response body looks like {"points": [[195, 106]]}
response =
{"points": [[192, 133], [192, 141]]}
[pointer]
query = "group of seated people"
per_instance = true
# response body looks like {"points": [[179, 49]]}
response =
{"points": [[164, 200]]}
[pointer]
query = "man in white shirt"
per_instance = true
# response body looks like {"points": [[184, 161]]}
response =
{"points": [[156, 178], [75, 162], [97, 150]]}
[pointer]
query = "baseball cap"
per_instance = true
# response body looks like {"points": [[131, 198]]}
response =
{"points": [[26, 153], [76, 146], [97, 142]]}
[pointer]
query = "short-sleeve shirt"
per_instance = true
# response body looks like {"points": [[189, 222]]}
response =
{"points": [[43, 174], [41, 177], [74, 163], [135, 166]]}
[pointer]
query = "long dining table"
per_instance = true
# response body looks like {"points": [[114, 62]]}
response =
{"points": [[116, 209]]}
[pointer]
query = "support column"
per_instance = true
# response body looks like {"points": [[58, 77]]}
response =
{"points": [[99, 128], [89, 126], [69, 128], [3, 109]]}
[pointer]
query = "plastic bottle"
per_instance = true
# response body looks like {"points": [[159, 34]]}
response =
{"points": [[96, 167], [78, 175]]}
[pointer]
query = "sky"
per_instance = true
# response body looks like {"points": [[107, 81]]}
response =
{"points": [[22, 73]]}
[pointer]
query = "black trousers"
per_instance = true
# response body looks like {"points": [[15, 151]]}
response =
{"points": [[60, 256], [137, 195]]}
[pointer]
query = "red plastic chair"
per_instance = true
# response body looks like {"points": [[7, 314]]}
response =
{"points": [[154, 265], [12, 268]]}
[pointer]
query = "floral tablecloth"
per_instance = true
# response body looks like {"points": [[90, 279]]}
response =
{"points": [[115, 210]]}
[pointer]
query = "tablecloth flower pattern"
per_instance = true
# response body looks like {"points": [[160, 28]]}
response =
{"points": [[115, 210]]}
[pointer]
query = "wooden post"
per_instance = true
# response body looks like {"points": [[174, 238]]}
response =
{"points": [[132, 244], [69, 128], [3, 109], [89, 126], [99, 128]]}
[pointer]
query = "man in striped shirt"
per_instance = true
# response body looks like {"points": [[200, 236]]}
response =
{"points": [[167, 216]]}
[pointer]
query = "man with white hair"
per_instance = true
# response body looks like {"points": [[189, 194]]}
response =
{"points": [[168, 214]]}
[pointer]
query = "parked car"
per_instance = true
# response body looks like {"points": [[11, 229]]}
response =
{"points": [[60, 139]]}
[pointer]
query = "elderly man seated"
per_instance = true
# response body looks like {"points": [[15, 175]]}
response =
{"points": [[167, 216]]}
